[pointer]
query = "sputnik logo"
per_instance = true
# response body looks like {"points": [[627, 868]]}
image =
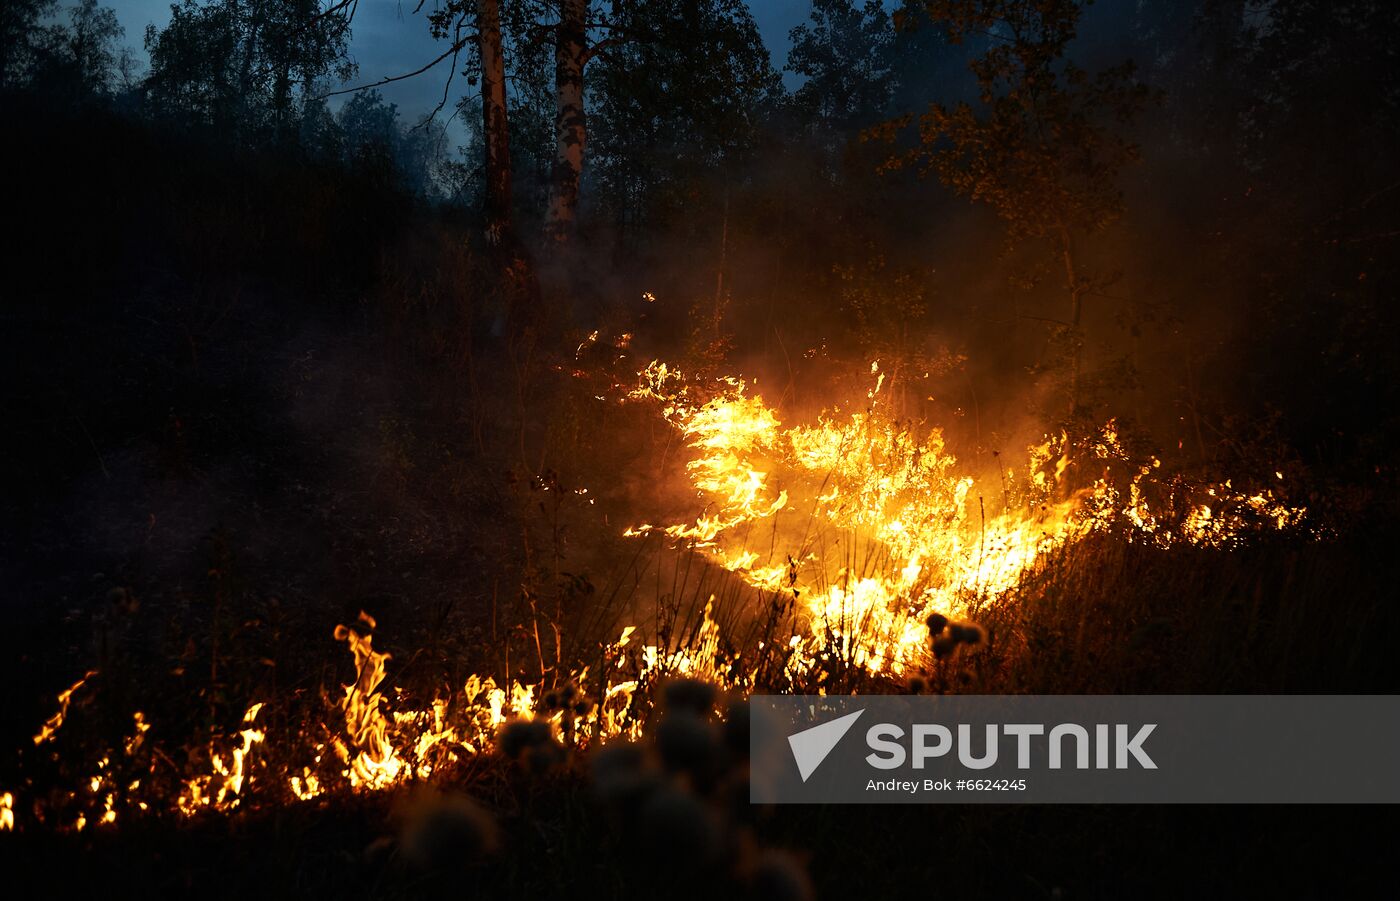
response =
{"points": [[811, 746]]}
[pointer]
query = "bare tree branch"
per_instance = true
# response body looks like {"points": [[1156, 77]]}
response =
{"points": [[605, 45], [452, 52], [457, 45], [340, 6]]}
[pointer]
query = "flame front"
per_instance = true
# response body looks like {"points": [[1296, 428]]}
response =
{"points": [[867, 528], [871, 523]]}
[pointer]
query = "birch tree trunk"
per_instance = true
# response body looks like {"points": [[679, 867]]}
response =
{"points": [[494, 122], [570, 123]]}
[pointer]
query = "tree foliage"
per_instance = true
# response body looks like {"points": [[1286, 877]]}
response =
{"points": [[245, 67], [20, 37], [845, 54], [1045, 143], [71, 60], [680, 99]]}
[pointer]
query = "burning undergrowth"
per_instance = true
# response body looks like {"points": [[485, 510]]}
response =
{"points": [[866, 557], [872, 525]]}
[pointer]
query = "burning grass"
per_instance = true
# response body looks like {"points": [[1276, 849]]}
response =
{"points": [[527, 797], [873, 527], [851, 556], [599, 733]]}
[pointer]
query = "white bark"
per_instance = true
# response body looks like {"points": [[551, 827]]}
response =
{"points": [[570, 122]]}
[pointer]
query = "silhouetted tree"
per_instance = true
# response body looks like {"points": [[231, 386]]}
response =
{"points": [[1044, 144], [571, 53], [19, 29], [495, 124], [844, 55], [248, 68], [477, 26], [1308, 229], [369, 127], [79, 59], [527, 28], [679, 102]]}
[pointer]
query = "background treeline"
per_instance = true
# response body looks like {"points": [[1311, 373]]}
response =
{"points": [[1218, 175], [240, 75], [1034, 214], [237, 301]]}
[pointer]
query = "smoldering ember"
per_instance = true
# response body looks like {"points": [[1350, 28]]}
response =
{"points": [[430, 426]]}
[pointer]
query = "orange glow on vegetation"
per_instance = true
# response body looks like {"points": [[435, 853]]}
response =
{"points": [[873, 525], [870, 527]]}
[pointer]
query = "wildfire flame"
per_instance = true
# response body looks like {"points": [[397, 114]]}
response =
{"points": [[53, 723], [223, 787], [869, 527], [871, 523]]}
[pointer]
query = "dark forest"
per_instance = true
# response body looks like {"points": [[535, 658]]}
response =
{"points": [[405, 501]]}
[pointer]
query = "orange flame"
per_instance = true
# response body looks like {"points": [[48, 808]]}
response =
{"points": [[877, 528]]}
